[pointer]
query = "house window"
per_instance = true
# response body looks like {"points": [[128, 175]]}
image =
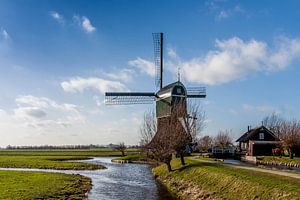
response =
{"points": [[261, 136]]}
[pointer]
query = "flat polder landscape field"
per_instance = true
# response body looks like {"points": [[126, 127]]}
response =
{"points": [[47, 185]]}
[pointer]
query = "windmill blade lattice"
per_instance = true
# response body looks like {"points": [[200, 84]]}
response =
{"points": [[196, 92], [158, 58], [127, 98]]}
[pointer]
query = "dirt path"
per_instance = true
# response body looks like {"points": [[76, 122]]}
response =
{"points": [[281, 173]]}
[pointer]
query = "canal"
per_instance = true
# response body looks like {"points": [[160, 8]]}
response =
{"points": [[124, 181]]}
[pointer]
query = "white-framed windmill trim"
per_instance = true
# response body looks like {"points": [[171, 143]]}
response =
{"points": [[164, 95], [183, 124]]}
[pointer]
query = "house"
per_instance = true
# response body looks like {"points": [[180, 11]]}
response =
{"points": [[258, 142]]}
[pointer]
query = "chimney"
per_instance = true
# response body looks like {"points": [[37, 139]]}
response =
{"points": [[248, 128]]}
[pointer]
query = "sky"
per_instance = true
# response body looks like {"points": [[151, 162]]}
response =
{"points": [[59, 57]]}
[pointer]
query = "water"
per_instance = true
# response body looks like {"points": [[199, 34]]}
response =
{"points": [[233, 162], [123, 181], [119, 181]]}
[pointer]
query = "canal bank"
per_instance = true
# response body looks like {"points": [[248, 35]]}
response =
{"points": [[202, 179]]}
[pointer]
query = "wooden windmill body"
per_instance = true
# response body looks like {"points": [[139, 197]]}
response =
{"points": [[171, 100]]}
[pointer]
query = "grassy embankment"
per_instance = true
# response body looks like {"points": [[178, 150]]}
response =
{"points": [[132, 158], [203, 180], [138, 158], [19, 185], [284, 161]]}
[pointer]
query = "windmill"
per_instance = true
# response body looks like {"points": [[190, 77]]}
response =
{"points": [[166, 98]]}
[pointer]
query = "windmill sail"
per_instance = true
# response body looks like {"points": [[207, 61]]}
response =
{"points": [[158, 58], [127, 98], [196, 92]]}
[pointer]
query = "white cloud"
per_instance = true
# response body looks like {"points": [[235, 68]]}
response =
{"points": [[43, 102], [236, 59], [87, 26], [36, 116], [84, 23], [33, 112], [61, 124], [4, 34], [287, 50], [172, 53], [223, 14], [3, 114], [79, 84], [261, 109], [125, 75], [143, 66], [41, 110], [58, 17]]}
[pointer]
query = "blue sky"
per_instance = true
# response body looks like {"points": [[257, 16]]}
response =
{"points": [[57, 58]]}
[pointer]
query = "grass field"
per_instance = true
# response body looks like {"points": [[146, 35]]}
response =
{"points": [[19, 185], [39, 185], [214, 181], [91, 152], [47, 162], [54, 159]]}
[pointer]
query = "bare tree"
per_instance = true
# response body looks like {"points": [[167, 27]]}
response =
{"points": [[148, 128], [161, 147], [171, 134], [196, 120], [291, 136], [223, 139], [121, 147], [205, 143], [274, 122]]}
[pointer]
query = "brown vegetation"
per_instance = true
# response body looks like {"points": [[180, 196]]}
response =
{"points": [[223, 139], [164, 136], [288, 131], [121, 147], [205, 143]]}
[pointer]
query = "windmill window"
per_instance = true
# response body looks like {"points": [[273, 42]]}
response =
{"points": [[261, 136], [178, 90]]}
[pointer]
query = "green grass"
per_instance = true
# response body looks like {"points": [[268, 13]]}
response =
{"points": [[19, 185], [47, 162], [92, 152], [295, 162], [54, 159], [224, 182]]}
